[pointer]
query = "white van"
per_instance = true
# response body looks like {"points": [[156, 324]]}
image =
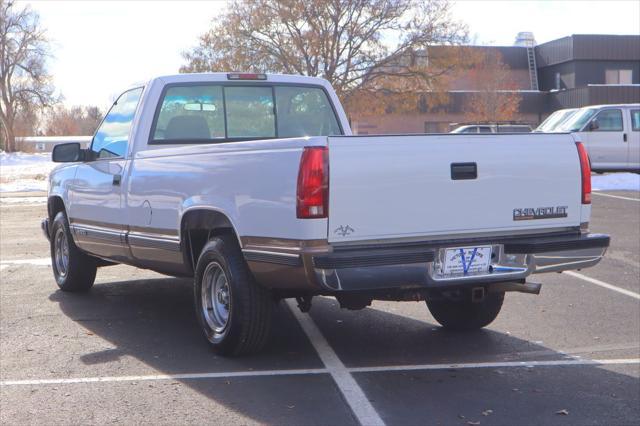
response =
{"points": [[555, 120], [611, 134]]}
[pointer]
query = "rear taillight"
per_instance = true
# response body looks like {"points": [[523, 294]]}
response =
{"points": [[313, 183], [585, 167]]}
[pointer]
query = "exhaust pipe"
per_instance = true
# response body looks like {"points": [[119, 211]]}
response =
{"points": [[521, 287]]}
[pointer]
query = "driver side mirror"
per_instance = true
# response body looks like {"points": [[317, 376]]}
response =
{"points": [[594, 125], [67, 153]]}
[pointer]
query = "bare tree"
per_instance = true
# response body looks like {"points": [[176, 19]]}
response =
{"points": [[26, 121], [497, 99], [74, 121], [24, 82], [359, 46]]}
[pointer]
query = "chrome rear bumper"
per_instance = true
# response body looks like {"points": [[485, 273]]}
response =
{"points": [[414, 266], [515, 260]]}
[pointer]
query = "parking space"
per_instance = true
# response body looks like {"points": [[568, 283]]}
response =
{"points": [[130, 351], [622, 263]]}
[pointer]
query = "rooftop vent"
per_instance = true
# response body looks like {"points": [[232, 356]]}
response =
{"points": [[525, 39]]}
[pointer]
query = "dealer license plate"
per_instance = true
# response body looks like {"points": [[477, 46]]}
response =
{"points": [[467, 260]]}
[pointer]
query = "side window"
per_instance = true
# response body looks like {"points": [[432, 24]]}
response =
{"points": [[304, 111], [485, 129], [635, 120], [112, 137], [191, 113], [250, 112], [609, 120]]}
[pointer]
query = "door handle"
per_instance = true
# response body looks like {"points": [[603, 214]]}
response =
{"points": [[624, 137], [117, 179], [462, 171]]}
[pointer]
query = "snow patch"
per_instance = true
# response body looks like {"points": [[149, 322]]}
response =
{"points": [[616, 182], [24, 172], [23, 158]]}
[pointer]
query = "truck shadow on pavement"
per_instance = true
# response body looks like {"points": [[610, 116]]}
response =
{"points": [[153, 321]]}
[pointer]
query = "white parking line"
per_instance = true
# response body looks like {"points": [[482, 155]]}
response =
{"points": [[40, 261], [352, 392], [507, 364], [7, 201], [616, 196], [603, 284], [231, 374], [164, 377]]}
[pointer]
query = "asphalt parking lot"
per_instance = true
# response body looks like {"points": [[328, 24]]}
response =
{"points": [[130, 350]]}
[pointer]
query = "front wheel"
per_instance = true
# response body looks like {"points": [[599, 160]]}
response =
{"points": [[74, 270], [466, 315], [233, 310]]}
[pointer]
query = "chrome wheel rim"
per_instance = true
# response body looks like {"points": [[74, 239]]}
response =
{"points": [[216, 297], [61, 252]]}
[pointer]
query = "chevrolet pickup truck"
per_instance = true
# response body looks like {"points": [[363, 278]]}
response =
{"points": [[253, 185]]}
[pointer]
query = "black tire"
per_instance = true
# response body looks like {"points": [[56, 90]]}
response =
{"points": [[249, 306], [465, 315], [79, 273]]}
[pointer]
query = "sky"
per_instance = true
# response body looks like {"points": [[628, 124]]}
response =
{"points": [[102, 47]]}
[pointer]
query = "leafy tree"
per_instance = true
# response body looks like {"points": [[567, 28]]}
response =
{"points": [[497, 99], [24, 82], [364, 48]]}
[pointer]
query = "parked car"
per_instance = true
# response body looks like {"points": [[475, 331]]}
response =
{"points": [[253, 185], [611, 134], [555, 120], [493, 128]]}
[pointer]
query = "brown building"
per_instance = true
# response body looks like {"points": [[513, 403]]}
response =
{"points": [[570, 72]]}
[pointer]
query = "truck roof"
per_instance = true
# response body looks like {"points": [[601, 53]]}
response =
{"points": [[223, 76]]}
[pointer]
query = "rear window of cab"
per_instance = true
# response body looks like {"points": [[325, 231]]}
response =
{"points": [[213, 113]]}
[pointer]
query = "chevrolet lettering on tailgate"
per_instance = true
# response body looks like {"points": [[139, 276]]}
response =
{"points": [[540, 213]]}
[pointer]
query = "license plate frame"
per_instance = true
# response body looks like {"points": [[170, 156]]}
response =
{"points": [[467, 261]]}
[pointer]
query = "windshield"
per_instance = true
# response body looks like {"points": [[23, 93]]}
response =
{"points": [[555, 119], [577, 120]]}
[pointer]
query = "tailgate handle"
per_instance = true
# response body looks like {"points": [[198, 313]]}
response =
{"points": [[461, 171]]}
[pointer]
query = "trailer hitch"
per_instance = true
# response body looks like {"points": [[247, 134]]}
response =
{"points": [[304, 303]]}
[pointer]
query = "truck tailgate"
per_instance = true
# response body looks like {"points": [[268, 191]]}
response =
{"points": [[388, 187]]}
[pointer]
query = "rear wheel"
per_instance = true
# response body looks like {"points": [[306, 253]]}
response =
{"points": [[466, 315], [233, 310], [74, 270]]}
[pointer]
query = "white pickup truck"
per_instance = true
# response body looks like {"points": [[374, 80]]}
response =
{"points": [[253, 185]]}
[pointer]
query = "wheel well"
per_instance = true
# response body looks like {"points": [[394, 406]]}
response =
{"points": [[55, 205], [198, 227]]}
